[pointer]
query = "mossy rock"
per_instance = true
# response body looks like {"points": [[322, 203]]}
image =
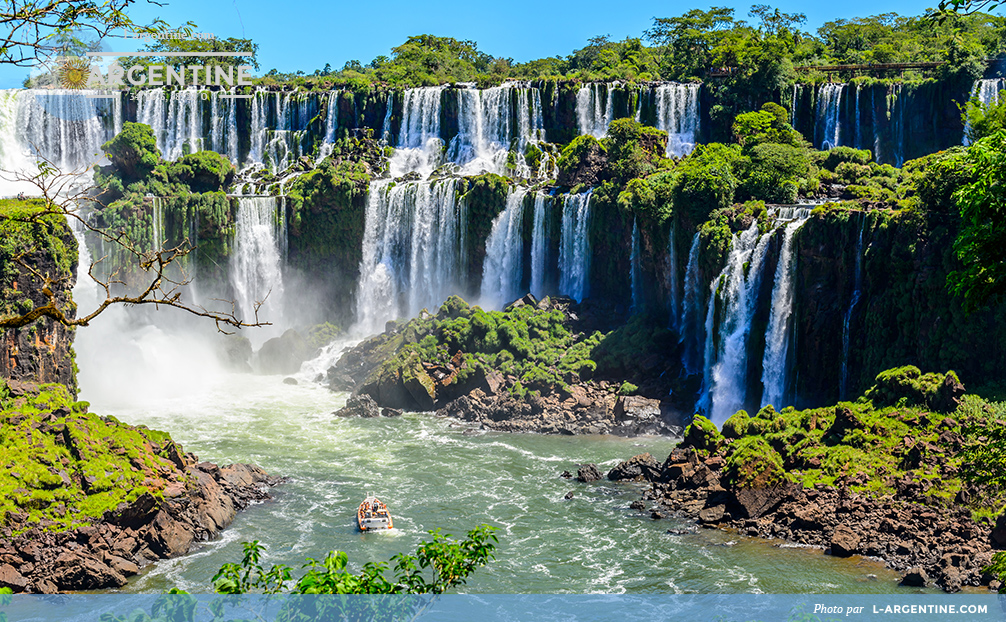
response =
{"points": [[736, 426], [753, 463], [908, 386], [703, 435]]}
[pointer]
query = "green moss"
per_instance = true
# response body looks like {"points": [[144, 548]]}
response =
{"points": [[702, 435], [736, 426], [753, 463], [627, 388], [64, 467]]}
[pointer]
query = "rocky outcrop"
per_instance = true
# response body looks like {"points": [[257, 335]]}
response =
{"points": [[285, 354], [41, 351], [586, 409], [359, 406], [106, 552], [942, 545]]}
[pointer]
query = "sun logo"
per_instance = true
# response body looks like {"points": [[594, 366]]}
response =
{"points": [[74, 72]]}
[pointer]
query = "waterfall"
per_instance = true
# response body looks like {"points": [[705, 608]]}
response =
{"points": [[539, 246], [777, 335], [635, 271], [678, 115], [594, 108], [987, 92], [897, 103], [504, 263], [256, 264], [726, 382], [157, 222], [672, 278], [829, 115], [419, 144], [691, 311], [847, 320], [224, 126], [64, 127], [412, 245], [858, 134], [175, 118], [574, 247], [491, 122]]}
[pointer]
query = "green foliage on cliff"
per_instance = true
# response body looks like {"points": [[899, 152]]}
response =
{"points": [[63, 467], [981, 244], [753, 463], [133, 151]]}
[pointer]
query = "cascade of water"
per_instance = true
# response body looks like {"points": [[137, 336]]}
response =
{"points": [[987, 92], [419, 144], [574, 247], [726, 383], [829, 115], [594, 110], [857, 125], [504, 262], [635, 271], [539, 246], [897, 108], [678, 115], [672, 278], [691, 311], [843, 384], [65, 127], [876, 130], [777, 335], [256, 265], [389, 108], [224, 126], [411, 250], [157, 222], [493, 121]]}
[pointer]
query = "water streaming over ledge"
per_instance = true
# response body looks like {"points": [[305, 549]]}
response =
{"points": [[257, 262], [504, 263], [574, 247]]}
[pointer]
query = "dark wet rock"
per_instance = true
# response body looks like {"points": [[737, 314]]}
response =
{"points": [[637, 409], [566, 475], [569, 495], [844, 541], [637, 468], [588, 473], [359, 406], [638, 505], [285, 354], [11, 578], [391, 412], [290, 381], [235, 353], [915, 577]]}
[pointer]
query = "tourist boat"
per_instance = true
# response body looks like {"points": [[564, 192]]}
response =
{"points": [[373, 515]]}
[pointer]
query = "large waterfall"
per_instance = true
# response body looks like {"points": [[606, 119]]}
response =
{"points": [[539, 246], [678, 115], [636, 270], [65, 128], [829, 116], [411, 250], [726, 377], [691, 322], [594, 108], [673, 278], [257, 262], [491, 122], [504, 263], [574, 247], [986, 91], [778, 334]]}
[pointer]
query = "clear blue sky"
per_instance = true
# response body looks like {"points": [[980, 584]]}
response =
{"points": [[301, 34]]}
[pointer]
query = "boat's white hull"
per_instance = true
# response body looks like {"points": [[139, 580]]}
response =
{"points": [[371, 524]]}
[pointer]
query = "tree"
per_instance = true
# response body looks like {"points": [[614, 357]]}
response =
{"points": [[981, 243], [438, 566], [37, 29], [688, 40], [948, 8]]}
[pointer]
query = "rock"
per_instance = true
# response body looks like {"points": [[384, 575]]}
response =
{"points": [[915, 577], [134, 514], [391, 412], [290, 381], [420, 385], [284, 354], [526, 301], [338, 381], [122, 566], [712, 514], [638, 504], [999, 532], [844, 541], [948, 396], [756, 502], [242, 475], [359, 406], [569, 495], [235, 353], [588, 165], [845, 420], [637, 409], [588, 473], [169, 538], [11, 578], [641, 467], [566, 475], [214, 510], [77, 571]]}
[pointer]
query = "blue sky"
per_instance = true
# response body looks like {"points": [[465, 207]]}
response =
{"points": [[300, 34]]}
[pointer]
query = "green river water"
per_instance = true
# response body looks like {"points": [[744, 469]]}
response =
{"points": [[434, 473]]}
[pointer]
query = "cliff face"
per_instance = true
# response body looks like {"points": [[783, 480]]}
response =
{"points": [[30, 250], [905, 314]]}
